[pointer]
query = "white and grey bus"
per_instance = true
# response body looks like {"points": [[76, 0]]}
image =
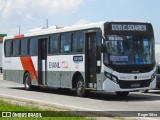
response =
{"points": [[104, 56]]}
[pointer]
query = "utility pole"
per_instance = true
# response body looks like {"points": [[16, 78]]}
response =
{"points": [[46, 23], [19, 29]]}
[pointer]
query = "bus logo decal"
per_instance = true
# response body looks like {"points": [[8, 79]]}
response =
{"points": [[64, 64]]}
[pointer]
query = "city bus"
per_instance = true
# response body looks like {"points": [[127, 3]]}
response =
{"points": [[116, 56]]}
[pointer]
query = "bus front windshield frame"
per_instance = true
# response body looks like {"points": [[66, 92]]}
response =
{"points": [[129, 50]]}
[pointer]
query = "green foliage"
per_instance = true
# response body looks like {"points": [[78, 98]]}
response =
{"points": [[4, 106]]}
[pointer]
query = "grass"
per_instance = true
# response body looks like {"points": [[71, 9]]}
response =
{"points": [[5, 106]]}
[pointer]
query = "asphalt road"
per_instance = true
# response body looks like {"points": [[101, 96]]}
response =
{"points": [[97, 101]]}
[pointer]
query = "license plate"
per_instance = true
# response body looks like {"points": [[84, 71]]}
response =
{"points": [[135, 85]]}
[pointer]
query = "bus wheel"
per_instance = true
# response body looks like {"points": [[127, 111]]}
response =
{"points": [[80, 87], [27, 82], [122, 94], [144, 91]]}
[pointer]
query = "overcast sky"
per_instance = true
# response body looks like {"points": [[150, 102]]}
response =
{"points": [[31, 14]]}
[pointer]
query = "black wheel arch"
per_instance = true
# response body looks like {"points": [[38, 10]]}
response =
{"points": [[24, 75], [74, 78]]}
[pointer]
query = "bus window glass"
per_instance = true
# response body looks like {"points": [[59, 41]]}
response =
{"points": [[16, 46], [24, 47], [129, 50], [77, 45], [53, 44], [33, 47], [8, 48], [65, 43]]}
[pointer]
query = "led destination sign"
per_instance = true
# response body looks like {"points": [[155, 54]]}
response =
{"points": [[128, 27]]}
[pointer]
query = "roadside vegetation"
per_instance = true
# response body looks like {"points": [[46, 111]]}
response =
{"points": [[5, 106], [47, 112]]}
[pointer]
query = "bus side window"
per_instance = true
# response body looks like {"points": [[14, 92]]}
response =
{"points": [[16, 48], [24, 47], [65, 45], [8, 48], [77, 43], [53, 44], [33, 47]]}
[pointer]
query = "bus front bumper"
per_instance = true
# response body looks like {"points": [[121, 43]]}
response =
{"points": [[109, 85]]}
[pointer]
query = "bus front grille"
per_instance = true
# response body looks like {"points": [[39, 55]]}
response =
{"points": [[133, 84]]}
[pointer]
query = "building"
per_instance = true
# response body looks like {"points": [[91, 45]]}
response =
{"points": [[1, 44]]}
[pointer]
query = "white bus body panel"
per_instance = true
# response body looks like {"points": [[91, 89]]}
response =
{"points": [[109, 85], [12, 63], [65, 63]]}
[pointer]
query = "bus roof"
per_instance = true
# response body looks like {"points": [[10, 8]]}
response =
{"points": [[60, 29]]}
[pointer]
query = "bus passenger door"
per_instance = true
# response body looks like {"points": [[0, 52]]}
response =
{"points": [[90, 60], [42, 61]]}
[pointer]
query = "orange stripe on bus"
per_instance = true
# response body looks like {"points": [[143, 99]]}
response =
{"points": [[19, 36], [28, 66]]}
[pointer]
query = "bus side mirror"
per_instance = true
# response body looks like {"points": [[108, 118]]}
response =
{"points": [[158, 69], [105, 47]]}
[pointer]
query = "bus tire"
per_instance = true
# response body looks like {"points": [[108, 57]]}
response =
{"points": [[27, 81], [122, 94], [144, 91], [80, 87]]}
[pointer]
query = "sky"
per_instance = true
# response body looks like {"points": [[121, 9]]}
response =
{"points": [[30, 14]]}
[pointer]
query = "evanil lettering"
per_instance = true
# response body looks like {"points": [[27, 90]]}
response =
{"points": [[54, 65], [118, 27]]}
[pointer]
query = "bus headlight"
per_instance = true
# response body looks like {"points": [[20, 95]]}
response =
{"points": [[114, 79], [108, 75], [111, 77]]}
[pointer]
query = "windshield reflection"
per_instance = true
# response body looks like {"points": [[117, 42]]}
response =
{"points": [[122, 49]]}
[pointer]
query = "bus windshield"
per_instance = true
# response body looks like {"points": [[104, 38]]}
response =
{"points": [[129, 50]]}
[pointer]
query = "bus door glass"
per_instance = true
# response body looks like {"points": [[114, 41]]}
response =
{"points": [[91, 59], [42, 61]]}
